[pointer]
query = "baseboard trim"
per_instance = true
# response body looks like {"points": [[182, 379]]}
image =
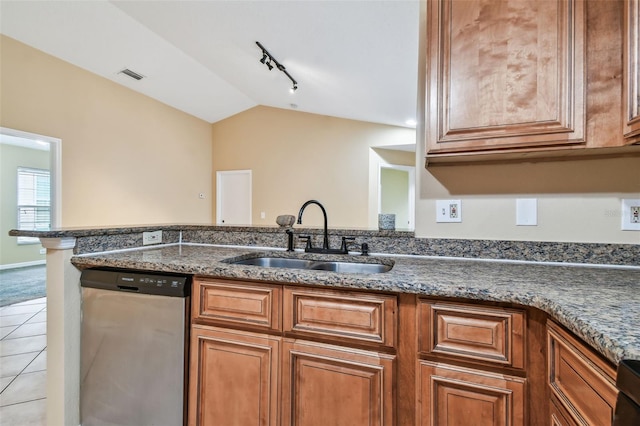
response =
{"points": [[22, 264]]}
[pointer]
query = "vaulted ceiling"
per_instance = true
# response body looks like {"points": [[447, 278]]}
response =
{"points": [[353, 59]]}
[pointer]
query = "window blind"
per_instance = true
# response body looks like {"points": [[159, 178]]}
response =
{"points": [[34, 201]]}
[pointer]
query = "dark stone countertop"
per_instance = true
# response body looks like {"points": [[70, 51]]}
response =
{"points": [[599, 304]]}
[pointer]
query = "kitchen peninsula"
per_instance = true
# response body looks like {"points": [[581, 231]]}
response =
{"points": [[598, 305]]}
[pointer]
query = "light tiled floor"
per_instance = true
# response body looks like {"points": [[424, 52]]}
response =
{"points": [[23, 363]]}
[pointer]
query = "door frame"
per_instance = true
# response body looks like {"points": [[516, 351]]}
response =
{"points": [[55, 169], [219, 192], [412, 189]]}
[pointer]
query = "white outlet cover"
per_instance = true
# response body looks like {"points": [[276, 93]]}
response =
{"points": [[631, 215], [152, 237], [448, 211], [526, 211]]}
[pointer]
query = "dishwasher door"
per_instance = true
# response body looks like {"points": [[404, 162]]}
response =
{"points": [[133, 358]]}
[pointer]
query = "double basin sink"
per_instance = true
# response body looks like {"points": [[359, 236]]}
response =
{"points": [[315, 265]]}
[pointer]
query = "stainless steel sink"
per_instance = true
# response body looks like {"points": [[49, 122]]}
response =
{"points": [[276, 262], [317, 265], [354, 268]]}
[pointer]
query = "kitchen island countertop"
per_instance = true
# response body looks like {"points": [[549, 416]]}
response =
{"points": [[599, 304]]}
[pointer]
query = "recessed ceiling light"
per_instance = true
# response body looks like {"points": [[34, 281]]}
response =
{"points": [[411, 123]]}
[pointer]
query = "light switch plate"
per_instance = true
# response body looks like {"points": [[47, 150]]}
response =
{"points": [[631, 215], [448, 211], [153, 237], [526, 211]]}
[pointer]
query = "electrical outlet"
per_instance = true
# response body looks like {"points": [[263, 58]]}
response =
{"points": [[631, 215], [154, 237], [448, 211], [43, 251]]}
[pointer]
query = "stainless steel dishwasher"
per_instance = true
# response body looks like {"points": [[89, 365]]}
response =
{"points": [[133, 348]]}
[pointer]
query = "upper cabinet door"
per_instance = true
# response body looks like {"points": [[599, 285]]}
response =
{"points": [[631, 80], [505, 74]]}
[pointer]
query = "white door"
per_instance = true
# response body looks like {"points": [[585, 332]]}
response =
{"points": [[233, 197]]}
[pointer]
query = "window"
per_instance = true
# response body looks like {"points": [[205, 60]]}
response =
{"points": [[34, 202]]}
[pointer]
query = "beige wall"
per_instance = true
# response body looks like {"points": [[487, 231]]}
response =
{"points": [[295, 156], [578, 201], [12, 157], [126, 158]]}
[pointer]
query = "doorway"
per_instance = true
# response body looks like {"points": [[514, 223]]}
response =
{"points": [[233, 197], [397, 194], [31, 190]]}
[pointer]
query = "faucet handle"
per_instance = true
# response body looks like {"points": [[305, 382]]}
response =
{"points": [[365, 249], [345, 244], [308, 238]]}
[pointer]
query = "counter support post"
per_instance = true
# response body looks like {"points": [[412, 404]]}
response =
{"points": [[63, 333]]}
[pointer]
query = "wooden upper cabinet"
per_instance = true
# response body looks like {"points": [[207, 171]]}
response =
{"points": [[631, 77], [505, 74]]}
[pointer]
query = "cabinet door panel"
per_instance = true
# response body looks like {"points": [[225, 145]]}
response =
{"points": [[233, 378], [481, 333], [582, 382], [455, 396], [505, 74], [236, 304], [631, 78], [327, 385], [341, 315]]}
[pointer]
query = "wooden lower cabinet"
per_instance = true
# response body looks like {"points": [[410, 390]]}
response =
{"points": [[580, 381], [325, 385], [457, 396], [233, 378], [559, 416]]}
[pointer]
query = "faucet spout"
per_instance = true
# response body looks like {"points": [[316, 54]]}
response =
{"points": [[325, 242]]}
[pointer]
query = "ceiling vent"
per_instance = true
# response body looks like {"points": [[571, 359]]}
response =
{"points": [[131, 74]]}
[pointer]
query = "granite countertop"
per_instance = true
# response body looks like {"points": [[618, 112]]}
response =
{"points": [[599, 304]]}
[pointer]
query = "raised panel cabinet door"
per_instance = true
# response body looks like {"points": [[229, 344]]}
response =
{"points": [[233, 378], [488, 334], [582, 382], [631, 78], [559, 415], [326, 385], [232, 303], [456, 396], [341, 315], [505, 74]]}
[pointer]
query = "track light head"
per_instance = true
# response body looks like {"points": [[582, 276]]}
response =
{"points": [[267, 59]]}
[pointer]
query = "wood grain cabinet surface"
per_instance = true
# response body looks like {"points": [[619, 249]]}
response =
{"points": [[581, 381], [453, 395], [631, 76], [221, 302], [366, 318], [233, 378], [526, 79], [492, 335], [331, 385]]}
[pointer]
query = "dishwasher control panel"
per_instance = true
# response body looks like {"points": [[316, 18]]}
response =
{"points": [[136, 282]]}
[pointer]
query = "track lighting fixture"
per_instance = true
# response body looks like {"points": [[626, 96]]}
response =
{"points": [[267, 59]]}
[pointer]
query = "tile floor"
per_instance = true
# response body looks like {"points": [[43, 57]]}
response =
{"points": [[23, 363]]}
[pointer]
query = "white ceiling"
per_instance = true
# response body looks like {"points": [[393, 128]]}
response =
{"points": [[353, 59]]}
